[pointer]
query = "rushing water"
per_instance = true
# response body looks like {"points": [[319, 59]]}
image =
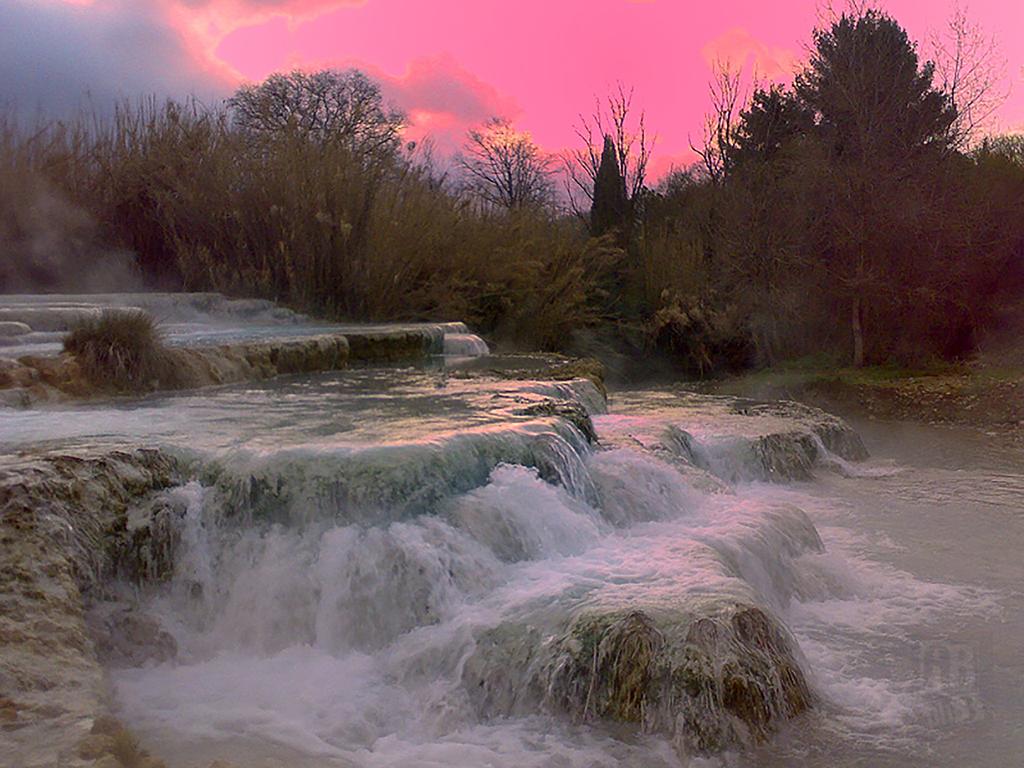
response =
{"points": [[330, 619]]}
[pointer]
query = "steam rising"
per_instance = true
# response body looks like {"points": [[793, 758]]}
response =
{"points": [[47, 244]]}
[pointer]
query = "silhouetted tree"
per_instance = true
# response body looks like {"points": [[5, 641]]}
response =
{"points": [[773, 119], [1008, 147], [340, 107], [632, 147], [505, 168], [717, 147], [884, 125], [609, 209], [971, 71], [873, 98]]}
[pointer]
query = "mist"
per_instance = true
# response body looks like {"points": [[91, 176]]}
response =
{"points": [[50, 245]]}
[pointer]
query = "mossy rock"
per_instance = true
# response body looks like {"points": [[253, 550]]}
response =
{"points": [[719, 677]]}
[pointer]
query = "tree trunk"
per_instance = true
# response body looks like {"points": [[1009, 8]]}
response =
{"points": [[858, 333]]}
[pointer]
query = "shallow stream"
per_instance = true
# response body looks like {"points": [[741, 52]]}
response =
{"points": [[349, 539]]}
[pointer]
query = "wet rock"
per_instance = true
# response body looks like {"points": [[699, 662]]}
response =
{"points": [[125, 637], [783, 457], [19, 397], [689, 649], [194, 367], [572, 412], [391, 345], [536, 367], [144, 551], [713, 678], [10, 328], [835, 434], [95, 746], [16, 374], [110, 745], [8, 710], [736, 665], [50, 318], [58, 516], [775, 442]]}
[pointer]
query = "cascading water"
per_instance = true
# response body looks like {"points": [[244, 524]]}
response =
{"points": [[464, 345], [406, 569]]}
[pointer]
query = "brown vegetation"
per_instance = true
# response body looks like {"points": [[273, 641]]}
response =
{"points": [[123, 350], [332, 229]]}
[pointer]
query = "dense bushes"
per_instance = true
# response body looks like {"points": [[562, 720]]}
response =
{"points": [[326, 227], [846, 221]]}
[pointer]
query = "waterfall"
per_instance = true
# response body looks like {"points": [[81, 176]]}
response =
{"points": [[462, 574], [407, 568]]}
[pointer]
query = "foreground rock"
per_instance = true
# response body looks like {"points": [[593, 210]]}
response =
{"points": [[673, 632], [72, 523], [695, 655], [57, 517]]}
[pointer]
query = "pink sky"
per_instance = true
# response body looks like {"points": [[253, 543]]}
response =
{"points": [[453, 63]]}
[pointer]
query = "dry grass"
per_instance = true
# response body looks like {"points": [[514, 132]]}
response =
{"points": [[316, 226], [122, 350]]}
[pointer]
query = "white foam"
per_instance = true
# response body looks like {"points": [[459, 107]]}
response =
{"points": [[322, 642]]}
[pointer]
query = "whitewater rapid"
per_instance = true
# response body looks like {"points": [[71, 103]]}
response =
{"points": [[377, 569]]}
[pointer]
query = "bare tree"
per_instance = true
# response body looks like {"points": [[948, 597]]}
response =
{"points": [[716, 148], [830, 11], [324, 106], [972, 72], [1008, 146], [504, 167], [612, 118]]}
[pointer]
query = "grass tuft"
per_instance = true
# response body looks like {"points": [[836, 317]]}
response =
{"points": [[122, 350]]}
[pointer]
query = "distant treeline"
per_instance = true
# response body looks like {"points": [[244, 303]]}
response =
{"points": [[854, 214]]}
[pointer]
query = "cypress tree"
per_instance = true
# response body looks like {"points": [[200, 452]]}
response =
{"points": [[610, 206]]}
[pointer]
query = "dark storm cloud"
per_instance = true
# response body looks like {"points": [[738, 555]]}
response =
{"points": [[56, 58]]}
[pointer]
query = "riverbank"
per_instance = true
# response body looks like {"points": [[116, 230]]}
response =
{"points": [[210, 340], [984, 397]]}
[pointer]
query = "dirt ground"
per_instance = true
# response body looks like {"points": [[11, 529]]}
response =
{"points": [[986, 398]]}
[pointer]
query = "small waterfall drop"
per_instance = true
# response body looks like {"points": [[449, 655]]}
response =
{"points": [[464, 345]]}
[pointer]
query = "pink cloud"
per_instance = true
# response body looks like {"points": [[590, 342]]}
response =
{"points": [[443, 100], [439, 84], [452, 63], [738, 48], [249, 9]]}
